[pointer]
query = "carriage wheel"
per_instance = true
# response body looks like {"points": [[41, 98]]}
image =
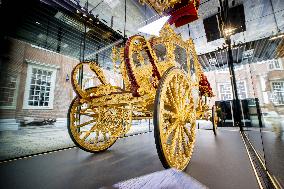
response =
{"points": [[174, 120], [215, 119], [95, 129]]}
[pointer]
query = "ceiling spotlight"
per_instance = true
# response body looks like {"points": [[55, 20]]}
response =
{"points": [[77, 11], [277, 36], [229, 31], [37, 23]]}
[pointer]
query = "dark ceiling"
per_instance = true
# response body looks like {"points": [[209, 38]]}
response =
{"points": [[249, 52], [57, 26], [54, 27]]}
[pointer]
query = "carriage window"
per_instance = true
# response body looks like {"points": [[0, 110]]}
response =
{"points": [[141, 58], [160, 51], [145, 57], [192, 69], [136, 61], [181, 58]]}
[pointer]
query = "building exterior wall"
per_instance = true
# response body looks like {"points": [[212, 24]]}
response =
{"points": [[258, 79], [16, 64]]}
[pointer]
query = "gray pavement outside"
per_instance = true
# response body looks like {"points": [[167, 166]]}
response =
{"points": [[33, 140], [38, 139]]}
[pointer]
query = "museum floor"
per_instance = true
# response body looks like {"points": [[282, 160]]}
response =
{"points": [[217, 162]]}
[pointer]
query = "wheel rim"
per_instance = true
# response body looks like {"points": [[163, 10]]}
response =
{"points": [[98, 127], [175, 119]]}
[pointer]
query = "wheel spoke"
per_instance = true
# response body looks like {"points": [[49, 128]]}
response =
{"points": [[171, 129], [86, 123], [185, 97], [96, 139], [86, 135], [185, 144], [172, 99], [176, 91], [88, 114], [189, 110], [105, 137], [169, 113], [180, 142], [174, 141], [190, 138]]}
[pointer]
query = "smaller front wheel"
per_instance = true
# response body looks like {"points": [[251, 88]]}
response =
{"points": [[86, 129]]}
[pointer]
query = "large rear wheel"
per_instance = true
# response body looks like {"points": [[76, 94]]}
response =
{"points": [[174, 119]]}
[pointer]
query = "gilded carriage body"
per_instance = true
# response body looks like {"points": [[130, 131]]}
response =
{"points": [[161, 81]]}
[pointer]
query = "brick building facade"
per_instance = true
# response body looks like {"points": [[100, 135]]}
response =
{"points": [[263, 80], [14, 67]]}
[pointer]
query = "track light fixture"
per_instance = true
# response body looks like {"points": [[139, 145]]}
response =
{"points": [[278, 36]]}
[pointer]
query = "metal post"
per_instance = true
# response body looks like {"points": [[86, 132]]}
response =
{"points": [[236, 102], [224, 4]]}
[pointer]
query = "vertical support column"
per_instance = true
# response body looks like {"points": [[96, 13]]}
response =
{"points": [[82, 54], [224, 11], [236, 102]]}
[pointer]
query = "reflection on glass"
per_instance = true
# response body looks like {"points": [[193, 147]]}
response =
{"points": [[192, 69], [181, 57], [160, 51]]}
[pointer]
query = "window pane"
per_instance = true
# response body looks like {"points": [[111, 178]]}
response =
{"points": [[181, 57], [41, 86], [276, 63], [160, 51]]}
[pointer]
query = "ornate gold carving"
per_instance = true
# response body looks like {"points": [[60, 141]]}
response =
{"points": [[100, 114], [162, 5]]}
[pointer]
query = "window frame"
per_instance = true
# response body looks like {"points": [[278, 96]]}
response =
{"points": [[273, 62], [272, 90], [46, 67], [222, 83], [246, 90], [219, 90]]}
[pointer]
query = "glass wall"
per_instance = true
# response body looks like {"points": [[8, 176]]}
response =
{"points": [[40, 45], [257, 52], [45, 40]]}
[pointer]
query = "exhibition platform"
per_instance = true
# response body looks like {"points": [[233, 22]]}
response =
{"points": [[218, 162]]}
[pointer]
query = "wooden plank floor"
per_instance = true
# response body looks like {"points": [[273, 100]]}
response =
{"points": [[218, 162]]}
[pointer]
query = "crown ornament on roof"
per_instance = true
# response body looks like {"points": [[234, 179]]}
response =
{"points": [[181, 11]]}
